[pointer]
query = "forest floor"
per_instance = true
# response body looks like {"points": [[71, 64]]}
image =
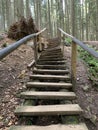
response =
{"points": [[14, 75]]}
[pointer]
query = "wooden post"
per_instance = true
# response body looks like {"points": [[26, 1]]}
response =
{"points": [[59, 34], [35, 49], [63, 43], [73, 63]]}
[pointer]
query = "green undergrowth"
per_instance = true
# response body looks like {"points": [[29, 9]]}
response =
{"points": [[67, 41], [92, 64]]}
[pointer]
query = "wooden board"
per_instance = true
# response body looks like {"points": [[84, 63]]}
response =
{"points": [[41, 71], [81, 126], [54, 59], [49, 77], [52, 56], [67, 109], [51, 66], [48, 95], [53, 53], [51, 62], [49, 84]]}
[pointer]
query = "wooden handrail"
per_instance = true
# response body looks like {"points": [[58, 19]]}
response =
{"points": [[66, 33], [7, 50], [81, 44], [76, 42]]}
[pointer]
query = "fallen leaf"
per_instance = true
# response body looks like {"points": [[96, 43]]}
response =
{"points": [[10, 123], [1, 117], [22, 74]]}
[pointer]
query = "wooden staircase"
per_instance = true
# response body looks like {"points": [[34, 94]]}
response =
{"points": [[50, 81]]}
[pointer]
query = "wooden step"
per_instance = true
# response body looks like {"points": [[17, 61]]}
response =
{"points": [[50, 66], [51, 59], [80, 126], [54, 44], [51, 62], [46, 71], [48, 95], [52, 56], [53, 53], [50, 77], [54, 59], [48, 84], [66, 109], [48, 55], [53, 49]]}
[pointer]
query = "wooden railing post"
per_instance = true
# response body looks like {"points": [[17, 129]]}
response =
{"points": [[35, 49], [63, 44], [73, 63], [59, 35]]}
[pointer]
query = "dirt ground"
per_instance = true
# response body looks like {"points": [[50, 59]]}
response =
{"points": [[14, 75]]}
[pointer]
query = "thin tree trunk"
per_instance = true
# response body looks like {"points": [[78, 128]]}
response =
{"points": [[49, 17], [8, 16], [28, 11], [3, 14], [97, 20], [73, 17]]}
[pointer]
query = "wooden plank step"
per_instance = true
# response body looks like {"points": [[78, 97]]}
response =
{"points": [[54, 59], [50, 66], [53, 49], [66, 109], [51, 62], [80, 126], [50, 55], [53, 53], [48, 84], [48, 95], [48, 51], [52, 46], [50, 77], [46, 71]]}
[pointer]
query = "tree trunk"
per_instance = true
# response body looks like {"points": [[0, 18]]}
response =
{"points": [[28, 11], [73, 17], [8, 13], [97, 20], [3, 15], [49, 17]]}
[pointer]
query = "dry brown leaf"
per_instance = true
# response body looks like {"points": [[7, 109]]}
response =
{"points": [[10, 123], [22, 74]]}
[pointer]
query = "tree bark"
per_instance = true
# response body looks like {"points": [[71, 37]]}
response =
{"points": [[73, 17]]}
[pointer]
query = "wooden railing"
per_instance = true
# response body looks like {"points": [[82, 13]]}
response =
{"points": [[76, 42], [7, 50]]}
